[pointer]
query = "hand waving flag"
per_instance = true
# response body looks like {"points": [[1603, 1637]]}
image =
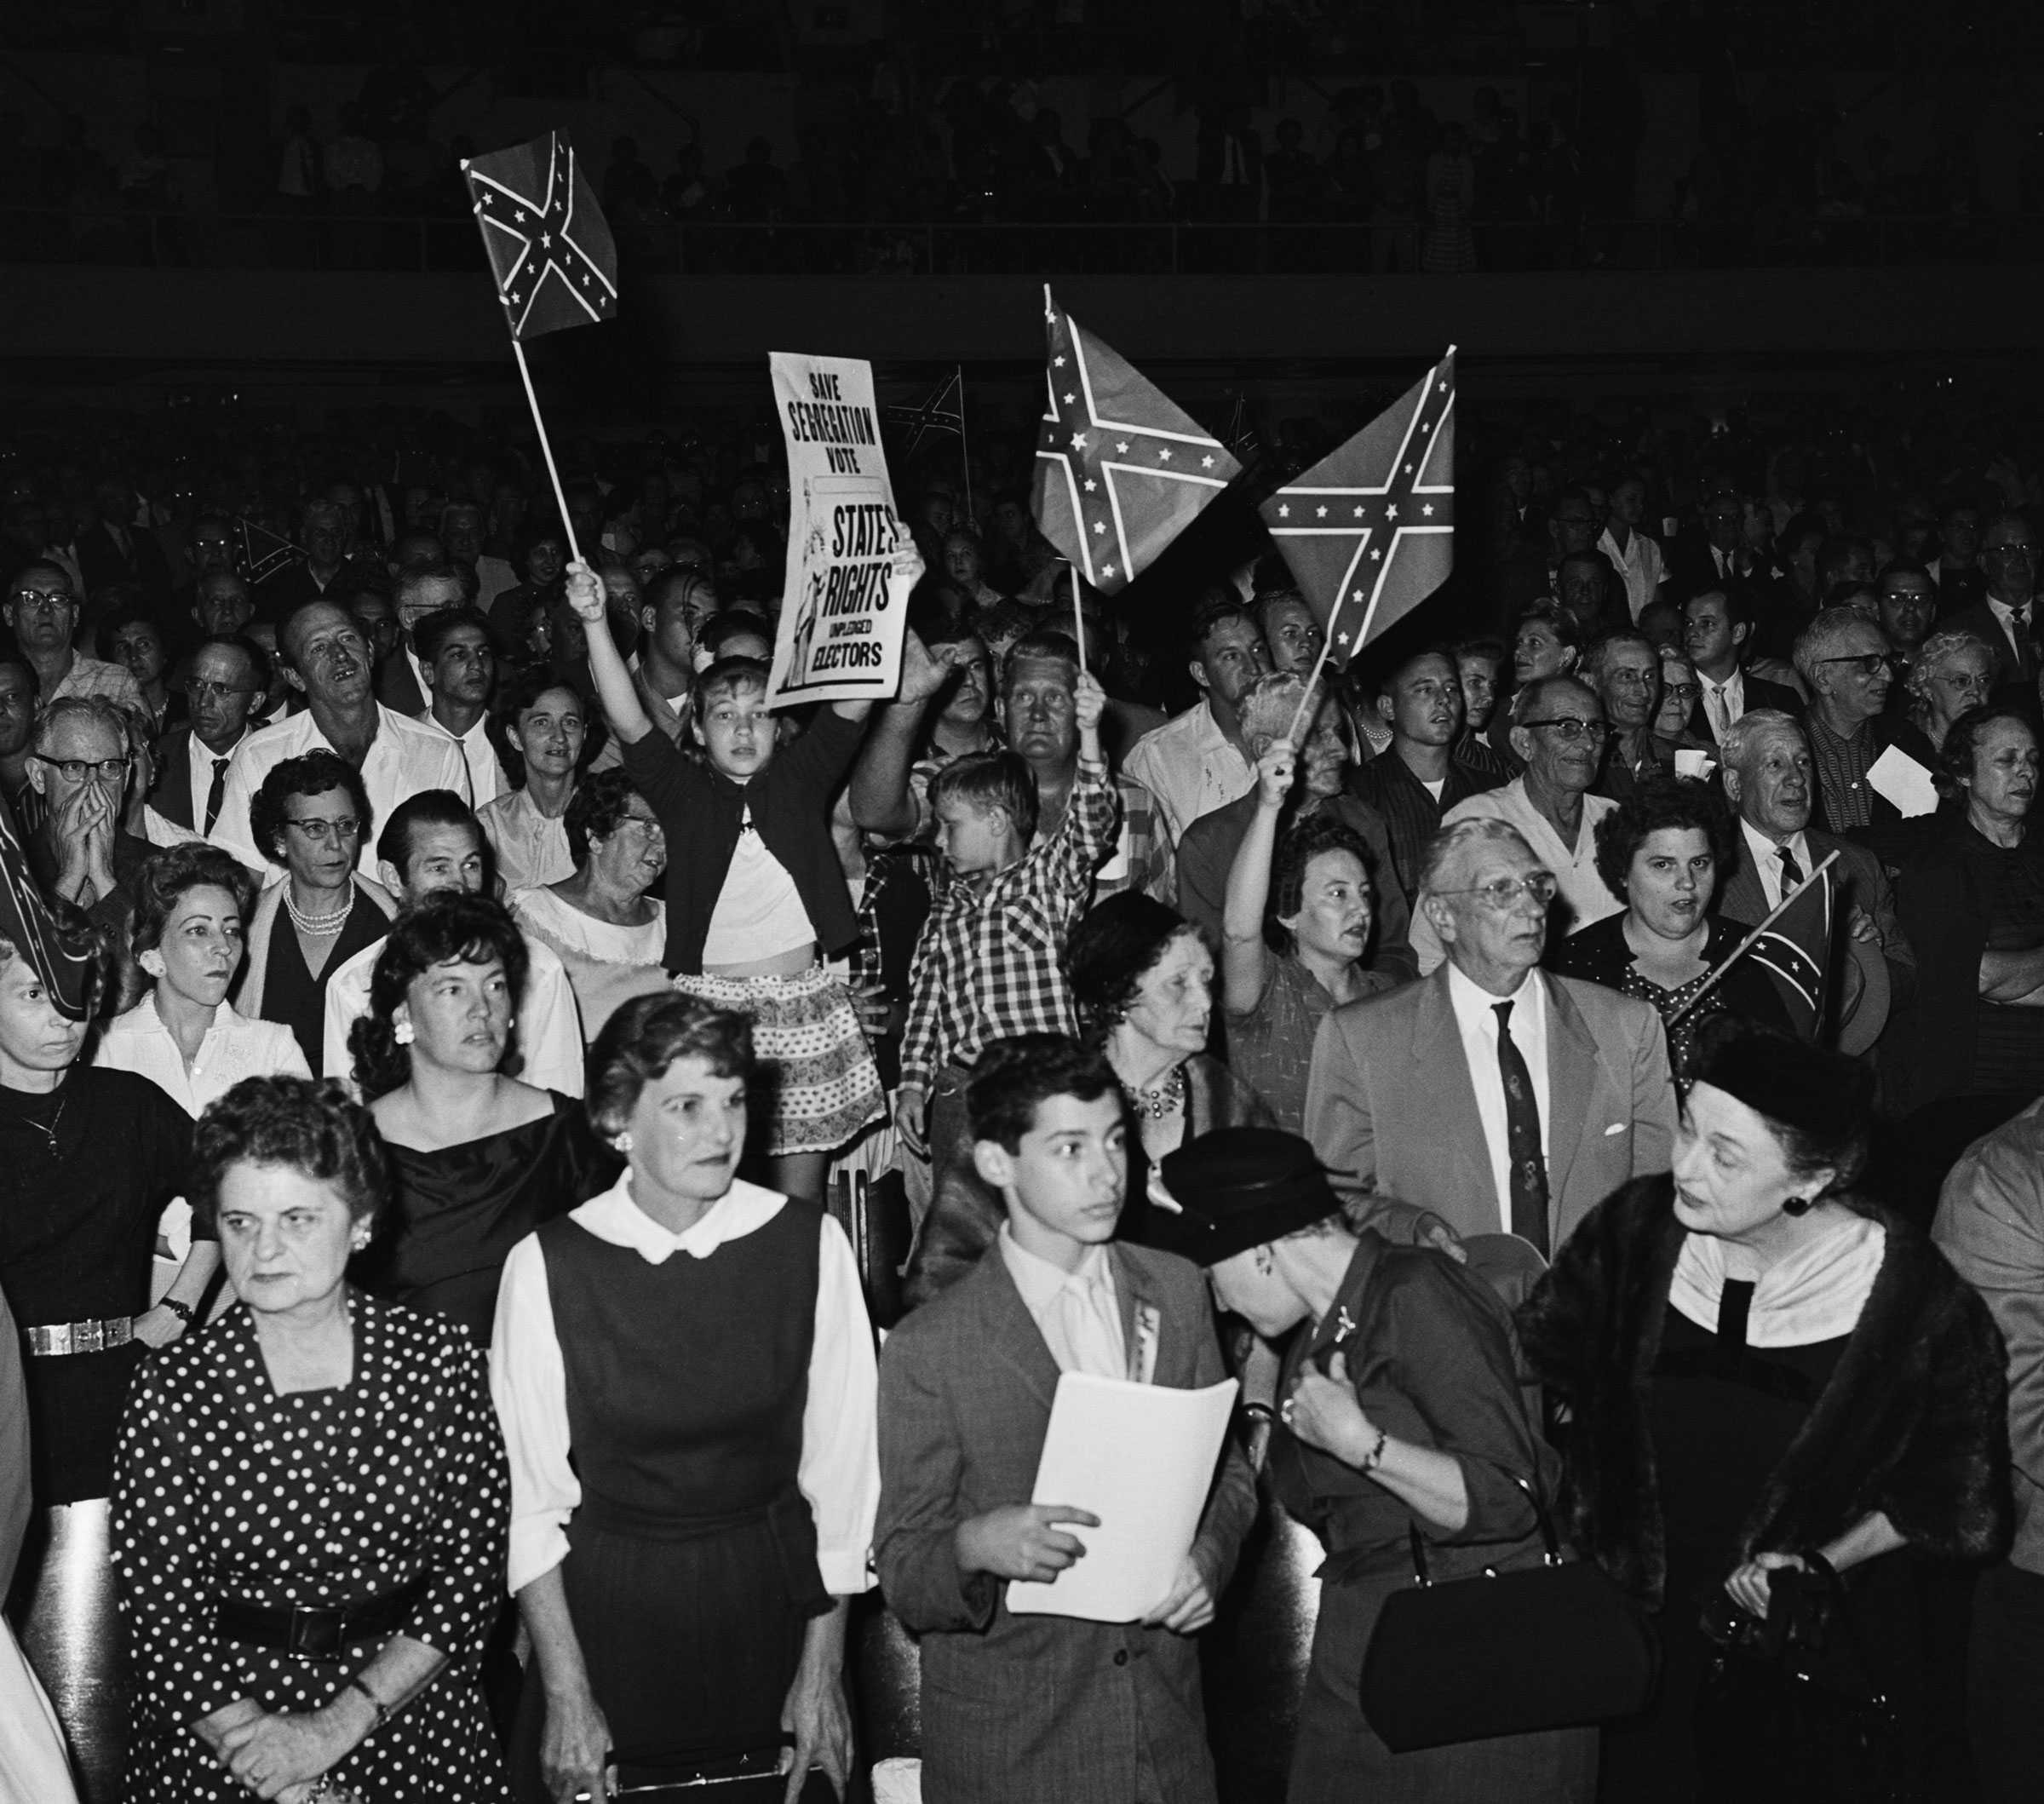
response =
{"points": [[1120, 472], [1368, 532], [549, 243]]}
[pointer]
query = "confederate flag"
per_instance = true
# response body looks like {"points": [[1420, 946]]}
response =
{"points": [[546, 238]]}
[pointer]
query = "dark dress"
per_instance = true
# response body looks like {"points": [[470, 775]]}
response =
{"points": [[457, 1212], [318, 1499], [1599, 954], [293, 995], [1430, 1352], [692, 1568]]}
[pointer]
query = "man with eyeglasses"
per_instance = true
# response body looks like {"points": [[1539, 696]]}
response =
{"points": [[1491, 1097], [326, 660], [1559, 728], [222, 684], [79, 767], [2005, 617], [324, 533], [42, 612], [1845, 661]]}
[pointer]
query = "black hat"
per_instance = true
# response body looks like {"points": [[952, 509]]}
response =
{"points": [[1236, 1189], [1822, 1095]]}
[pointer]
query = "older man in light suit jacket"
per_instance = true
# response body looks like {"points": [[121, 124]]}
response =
{"points": [[1411, 1094]]}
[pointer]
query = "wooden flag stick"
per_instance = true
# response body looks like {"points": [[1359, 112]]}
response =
{"points": [[518, 350], [965, 450], [1078, 619], [1327, 646], [1746, 945]]}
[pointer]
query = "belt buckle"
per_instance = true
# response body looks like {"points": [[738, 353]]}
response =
{"points": [[314, 1634], [88, 1337]]}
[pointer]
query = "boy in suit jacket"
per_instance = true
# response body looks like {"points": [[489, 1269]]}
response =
{"points": [[1019, 1710]]}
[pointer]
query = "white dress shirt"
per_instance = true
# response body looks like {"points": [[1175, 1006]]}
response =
{"points": [[1476, 1016], [1640, 564], [2005, 616], [549, 1026], [1723, 703], [234, 1047], [1192, 767], [532, 848], [403, 759], [838, 1472], [1575, 867], [1079, 1312], [1766, 858], [485, 774], [198, 760]]}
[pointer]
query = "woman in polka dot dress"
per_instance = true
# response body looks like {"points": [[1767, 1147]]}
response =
{"points": [[311, 1498]]}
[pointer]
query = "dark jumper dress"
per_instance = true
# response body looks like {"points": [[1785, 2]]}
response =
{"points": [[692, 1568]]}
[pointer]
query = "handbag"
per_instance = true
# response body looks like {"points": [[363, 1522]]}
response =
{"points": [[1551, 1646], [1791, 1703]]}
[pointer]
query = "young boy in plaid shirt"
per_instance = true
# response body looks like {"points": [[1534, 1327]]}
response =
{"points": [[989, 963]]}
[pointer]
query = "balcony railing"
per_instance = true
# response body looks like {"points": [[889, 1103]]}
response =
{"points": [[365, 242]]}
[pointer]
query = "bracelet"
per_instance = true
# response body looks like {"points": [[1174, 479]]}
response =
{"points": [[183, 1311], [1372, 1459], [375, 1703]]}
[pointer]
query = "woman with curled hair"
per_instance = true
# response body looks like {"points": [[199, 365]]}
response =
{"points": [[1660, 851], [685, 1372], [545, 731], [184, 1036], [478, 1160], [1296, 939], [309, 817], [1951, 673], [309, 1508], [608, 927], [1767, 1375]]}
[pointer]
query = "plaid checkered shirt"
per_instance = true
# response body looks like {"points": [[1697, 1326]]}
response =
{"points": [[988, 964]]}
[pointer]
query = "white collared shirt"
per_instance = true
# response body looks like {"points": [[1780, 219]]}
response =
{"points": [[838, 1472], [403, 759], [1475, 1015], [1639, 564], [1766, 858], [548, 1024], [486, 779], [2006, 617], [1730, 696], [1192, 767], [234, 1047], [198, 760], [1042, 1285], [1575, 867]]}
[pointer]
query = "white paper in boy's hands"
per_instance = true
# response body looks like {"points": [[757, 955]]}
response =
{"points": [[1900, 779], [1141, 1458]]}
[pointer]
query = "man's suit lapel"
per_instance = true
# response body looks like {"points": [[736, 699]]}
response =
{"points": [[1011, 1330], [1440, 1067], [1571, 1076], [174, 799], [1744, 899], [1142, 1317]]}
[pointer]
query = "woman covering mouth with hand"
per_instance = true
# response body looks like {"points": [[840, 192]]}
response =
{"points": [[1660, 853]]}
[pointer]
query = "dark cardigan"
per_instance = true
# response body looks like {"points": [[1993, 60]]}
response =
{"points": [[1912, 1422], [702, 812]]}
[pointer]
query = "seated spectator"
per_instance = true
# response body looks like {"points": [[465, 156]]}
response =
{"points": [[1908, 606], [1843, 657], [1296, 940], [1547, 643], [674, 606], [1480, 662], [79, 767], [735, 632], [309, 817], [1951, 673], [223, 681], [41, 612], [1661, 851], [964, 564], [1624, 668], [17, 739], [1196, 763], [1416, 779], [1717, 629], [134, 642], [460, 671], [433, 846], [1207, 853], [524, 617], [478, 1159], [1679, 692], [184, 1036], [527, 825], [1972, 901], [1291, 631]]}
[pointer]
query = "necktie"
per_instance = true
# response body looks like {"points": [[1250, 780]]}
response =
{"points": [[1528, 1167], [1719, 708], [1093, 1334], [2026, 647], [217, 793], [1792, 872]]}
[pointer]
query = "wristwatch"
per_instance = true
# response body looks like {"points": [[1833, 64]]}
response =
{"points": [[183, 1311]]}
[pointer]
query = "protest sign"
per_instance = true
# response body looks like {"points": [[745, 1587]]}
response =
{"points": [[851, 560]]}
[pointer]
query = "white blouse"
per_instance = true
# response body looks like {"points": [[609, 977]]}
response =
{"points": [[838, 1472], [234, 1047], [532, 848], [572, 930]]}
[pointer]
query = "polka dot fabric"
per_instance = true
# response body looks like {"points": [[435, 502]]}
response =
{"points": [[225, 1489]]}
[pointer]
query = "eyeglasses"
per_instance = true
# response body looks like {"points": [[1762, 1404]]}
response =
{"points": [[201, 688], [1501, 893], [2026, 553], [321, 832], [1683, 690], [47, 601], [77, 770], [1572, 728], [1867, 664]]}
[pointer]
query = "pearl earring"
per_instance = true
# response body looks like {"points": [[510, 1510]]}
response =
{"points": [[623, 1142], [402, 1033]]}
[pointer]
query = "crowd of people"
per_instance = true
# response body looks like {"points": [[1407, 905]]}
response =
{"points": [[456, 1044]]}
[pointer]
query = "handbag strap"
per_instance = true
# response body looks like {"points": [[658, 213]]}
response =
{"points": [[1547, 1536]]}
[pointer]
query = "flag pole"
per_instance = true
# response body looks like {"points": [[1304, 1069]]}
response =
{"points": [[965, 450], [518, 350], [1327, 644], [1746, 945], [1078, 619]]}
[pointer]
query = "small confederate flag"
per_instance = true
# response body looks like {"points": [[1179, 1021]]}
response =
{"points": [[1120, 472], [546, 238], [1795, 952], [1368, 532]]}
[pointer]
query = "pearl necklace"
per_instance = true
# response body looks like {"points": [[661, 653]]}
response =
{"points": [[1161, 1099], [317, 927]]}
